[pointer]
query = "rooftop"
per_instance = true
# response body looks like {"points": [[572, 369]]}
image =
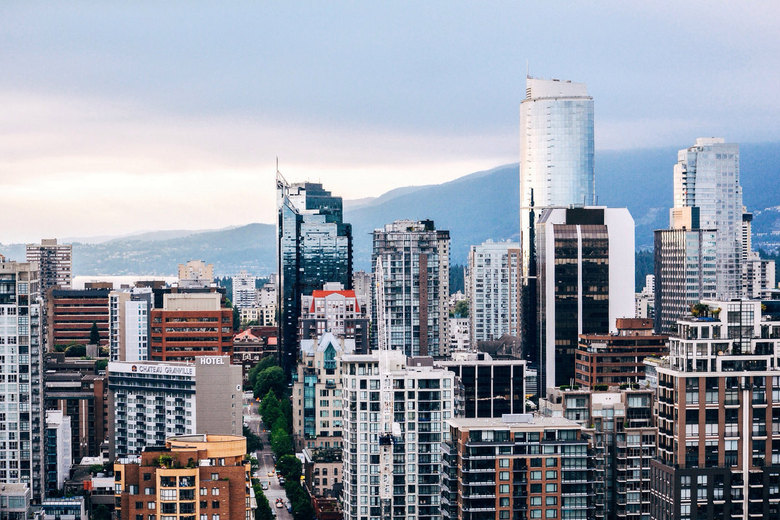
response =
{"points": [[514, 422]]}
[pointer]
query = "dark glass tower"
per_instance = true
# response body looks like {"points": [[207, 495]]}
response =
{"points": [[314, 247]]}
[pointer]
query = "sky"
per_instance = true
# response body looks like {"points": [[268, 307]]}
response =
{"points": [[119, 117]]}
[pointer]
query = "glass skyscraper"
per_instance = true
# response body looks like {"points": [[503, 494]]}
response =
{"points": [[706, 176], [556, 149], [314, 247]]}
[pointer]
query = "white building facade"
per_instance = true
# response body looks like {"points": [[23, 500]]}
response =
{"points": [[244, 291]]}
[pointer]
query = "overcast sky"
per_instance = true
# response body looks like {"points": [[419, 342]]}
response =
{"points": [[126, 116]]}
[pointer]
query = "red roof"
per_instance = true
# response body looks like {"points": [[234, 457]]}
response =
{"points": [[323, 294]]}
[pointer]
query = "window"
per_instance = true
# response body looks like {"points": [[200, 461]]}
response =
{"points": [[215, 517], [551, 474], [151, 505], [536, 475], [148, 491], [203, 492], [551, 462], [503, 475], [503, 488], [536, 501], [503, 463], [551, 501], [215, 491], [215, 504], [215, 476], [536, 513], [167, 494], [551, 513], [551, 488]]}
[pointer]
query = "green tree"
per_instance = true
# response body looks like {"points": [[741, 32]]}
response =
{"points": [[94, 334], [281, 442], [266, 362], [289, 466], [101, 364], [76, 351], [236, 319], [101, 512], [461, 309], [253, 442], [270, 410], [299, 499], [271, 379]]}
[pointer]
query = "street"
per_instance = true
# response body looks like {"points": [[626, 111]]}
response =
{"points": [[265, 460]]}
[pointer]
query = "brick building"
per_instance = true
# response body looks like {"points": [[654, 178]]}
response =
{"points": [[71, 313], [192, 476], [191, 324]]}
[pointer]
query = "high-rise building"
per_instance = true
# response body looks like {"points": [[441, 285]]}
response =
{"points": [[718, 415], [516, 466], [706, 176], [362, 283], [189, 476], [191, 324], [618, 424], [153, 400], [585, 282], [684, 266], [55, 262], [494, 290], [411, 262], [645, 299], [317, 393], [758, 275], [556, 150], [395, 414], [314, 247], [129, 324], [244, 291], [70, 314], [618, 358], [21, 359], [58, 454]]}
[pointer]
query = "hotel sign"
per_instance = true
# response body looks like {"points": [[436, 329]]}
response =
{"points": [[161, 369]]}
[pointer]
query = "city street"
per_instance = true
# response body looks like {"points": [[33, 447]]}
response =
{"points": [[265, 460]]}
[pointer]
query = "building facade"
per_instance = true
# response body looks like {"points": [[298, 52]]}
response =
{"points": [[494, 290], [337, 311], [556, 150], [154, 400], [618, 424], [190, 325], [314, 247], [411, 262], [244, 291], [618, 358], [196, 274], [21, 360], [70, 314], [55, 262], [586, 282], [129, 324], [394, 423], [57, 451], [202, 476], [516, 466], [487, 387], [719, 415], [706, 177]]}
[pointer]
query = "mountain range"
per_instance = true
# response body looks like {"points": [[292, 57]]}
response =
{"points": [[474, 208]]}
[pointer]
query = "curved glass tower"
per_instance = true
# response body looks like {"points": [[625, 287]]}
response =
{"points": [[556, 149]]}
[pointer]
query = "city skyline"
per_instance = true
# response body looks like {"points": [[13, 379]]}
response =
{"points": [[95, 110]]}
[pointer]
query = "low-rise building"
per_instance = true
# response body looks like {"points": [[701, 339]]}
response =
{"points": [[191, 476], [71, 508], [15, 501], [336, 311], [252, 345], [323, 471], [617, 358]]}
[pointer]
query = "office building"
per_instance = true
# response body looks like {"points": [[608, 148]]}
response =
{"points": [[411, 262], [556, 150], [706, 177], [70, 314], [337, 311], [645, 299], [718, 415], [21, 416], [494, 290], [153, 400], [618, 358], [314, 247], [618, 424], [487, 387], [516, 466], [758, 276], [196, 274], [585, 282], [684, 266], [129, 325], [244, 291], [191, 324], [55, 263], [57, 455], [189, 476], [395, 415], [459, 336], [317, 393]]}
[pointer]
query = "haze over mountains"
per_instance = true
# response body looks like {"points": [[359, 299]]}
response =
{"points": [[473, 208]]}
